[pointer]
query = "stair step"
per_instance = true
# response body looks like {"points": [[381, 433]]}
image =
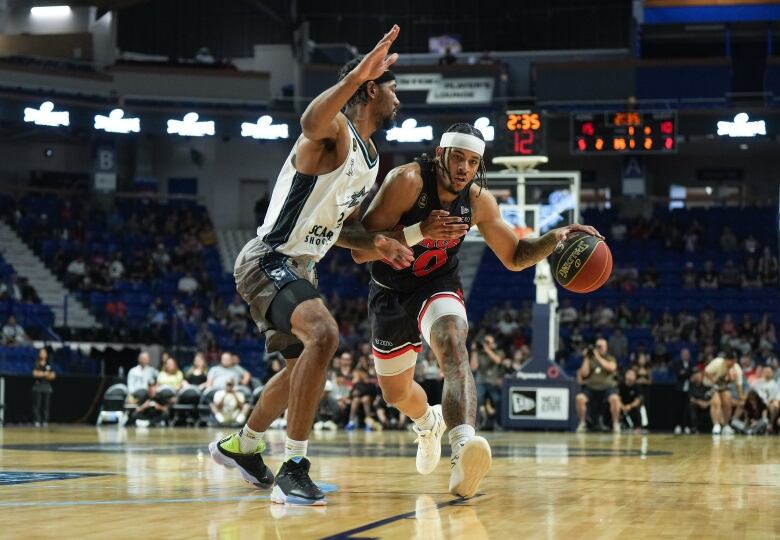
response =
{"points": [[51, 291]]}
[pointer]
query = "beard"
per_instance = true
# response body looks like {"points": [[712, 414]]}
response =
{"points": [[388, 122]]}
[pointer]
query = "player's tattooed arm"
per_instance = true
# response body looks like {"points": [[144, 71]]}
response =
{"points": [[530, 252], [386, 244]]}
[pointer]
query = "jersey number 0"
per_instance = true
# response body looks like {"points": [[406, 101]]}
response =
{"points": [[429, 261]]}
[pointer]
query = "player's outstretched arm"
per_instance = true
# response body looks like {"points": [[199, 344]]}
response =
{"points": [[518, 254], [319, 119]]}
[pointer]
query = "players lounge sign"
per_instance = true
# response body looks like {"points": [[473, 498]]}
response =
{"points": [[542, 403], [443, 91]]}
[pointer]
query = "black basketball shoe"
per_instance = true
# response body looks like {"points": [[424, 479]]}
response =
{"points": [[293, 485], [251, 466]]}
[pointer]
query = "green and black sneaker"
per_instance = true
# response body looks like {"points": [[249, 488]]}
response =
{"points": [[251, 466]]}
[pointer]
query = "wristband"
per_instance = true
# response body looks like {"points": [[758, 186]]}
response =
{"points": [[413, 234]]}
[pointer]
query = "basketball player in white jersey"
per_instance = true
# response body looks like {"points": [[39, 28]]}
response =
{"points": [[328, 173]]}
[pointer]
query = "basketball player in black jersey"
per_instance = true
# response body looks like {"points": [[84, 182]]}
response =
{"points": [[426, 300]]}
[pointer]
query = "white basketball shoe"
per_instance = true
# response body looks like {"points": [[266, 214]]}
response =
{"points": [[429, 442], [470, 464]]}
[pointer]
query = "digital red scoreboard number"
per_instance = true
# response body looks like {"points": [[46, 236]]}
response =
{"points": [[524, 133], [624, 133]]}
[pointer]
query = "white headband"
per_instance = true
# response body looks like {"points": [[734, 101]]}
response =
{"points": [[465, 141]]}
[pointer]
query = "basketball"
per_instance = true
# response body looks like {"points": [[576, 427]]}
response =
{"points": [[582, 263]]}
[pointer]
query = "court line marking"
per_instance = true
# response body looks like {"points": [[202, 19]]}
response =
{"points": [[345, 535], [54, 504], [636, 481]]}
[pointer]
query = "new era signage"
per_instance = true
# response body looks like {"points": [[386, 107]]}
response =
{"points": [[540, 403]]}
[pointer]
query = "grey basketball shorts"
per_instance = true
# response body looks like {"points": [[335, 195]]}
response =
{"points": [[273, 285]]}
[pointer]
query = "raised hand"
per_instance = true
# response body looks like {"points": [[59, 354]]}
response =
{"points": [[393, 252], [439, 226], [375, 63]]}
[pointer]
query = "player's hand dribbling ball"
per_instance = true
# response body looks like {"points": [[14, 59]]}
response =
{"points": [[582, 263]]}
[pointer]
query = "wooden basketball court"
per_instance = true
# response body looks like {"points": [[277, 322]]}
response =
{"points": [[85, 482]]}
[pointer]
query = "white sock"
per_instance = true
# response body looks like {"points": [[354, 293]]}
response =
{"points": [[293, 448], [248, 439], [459, 435], [426, 420]]}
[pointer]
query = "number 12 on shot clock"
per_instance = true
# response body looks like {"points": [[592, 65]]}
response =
{"points": [[525, 133]]}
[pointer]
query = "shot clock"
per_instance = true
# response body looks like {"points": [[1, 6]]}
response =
{"points": [[524, 133], [630, 132]]}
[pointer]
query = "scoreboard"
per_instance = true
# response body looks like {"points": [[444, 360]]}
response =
{"points": [[523, 133], [630, 132]]}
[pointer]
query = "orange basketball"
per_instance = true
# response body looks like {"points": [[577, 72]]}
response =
{"points": [[582, 263]]}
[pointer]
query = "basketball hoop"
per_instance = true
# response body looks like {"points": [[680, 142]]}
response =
{"points": [[520, 163]]}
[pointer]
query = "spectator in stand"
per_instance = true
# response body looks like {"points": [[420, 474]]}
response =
{"points": [[618, 344], [448, 58], [683, 369], [116, 269], [597, 377], [76, 273], [700, 402], [139, 378], [728, 240], [730, 276], [328, 413], [750, 277], [709, 278], [160, 258], [648, 278], [487, 361], [603, 316], [722, 373], [223, 372], [237, 307], [567, 313], [765, 332], [643, 317], [187, 284], [11, 290], [197, 374], [245, 378], [157, 318], [275, 365], [116, 312], [13, 333], [642, 369], [507, 327], [750, 371], [204, 338], [624, 316], [750, 244], [170, 376], [362, 395], [768, 268], [689, 277], [43, 375], [229, 406], [768, 390]]}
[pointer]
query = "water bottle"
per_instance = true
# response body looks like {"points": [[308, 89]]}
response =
{"points": [[121, 372]]}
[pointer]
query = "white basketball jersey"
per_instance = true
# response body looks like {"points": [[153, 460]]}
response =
{"points": [[306, 212]]}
